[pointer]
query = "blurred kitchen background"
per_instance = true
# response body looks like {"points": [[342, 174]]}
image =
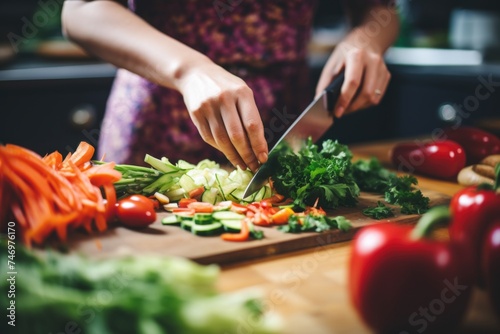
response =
{"points": [[53, 95]]}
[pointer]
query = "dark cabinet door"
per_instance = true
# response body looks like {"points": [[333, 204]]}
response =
{"points": [[52, 116]]}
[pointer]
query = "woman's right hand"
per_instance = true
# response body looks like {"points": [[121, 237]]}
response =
{"points": [[223, 109]]}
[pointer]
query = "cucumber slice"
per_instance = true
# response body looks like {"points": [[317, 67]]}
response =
{"points": [[185, 165], [203, 218], [175, 194], [206, 230], [223, 206], [210, 195], [187, 224], [167, 186], [187, 183], [231, 225], [170, 220], [158, 184], [227, 215], [163, 165], [184, 216], [206, 163]]}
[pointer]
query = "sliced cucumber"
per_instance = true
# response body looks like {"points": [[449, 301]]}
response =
{"points": [[210, 195], [158, 184], [172, 184], [206, 230], [257, 196], [185, 165], [184, 216], [187, 224], [203, 218], [206, 163], [171, 220], [223, 206], [231, 225], [175, 194], [227, 215], [187, 183], [163, 165]]}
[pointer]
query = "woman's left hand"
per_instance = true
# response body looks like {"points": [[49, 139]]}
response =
{"points": [[366, 75]]}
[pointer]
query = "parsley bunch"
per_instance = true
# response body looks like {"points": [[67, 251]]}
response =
{"points": [[317, 174], [316, 223], [371, 176]]}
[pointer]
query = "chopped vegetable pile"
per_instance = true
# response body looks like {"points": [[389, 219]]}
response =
{"points": [[205, 180], [314, 173], [51, 194], [148, 294]]}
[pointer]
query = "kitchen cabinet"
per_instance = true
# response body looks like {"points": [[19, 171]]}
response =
{"points": [[53, 106]]}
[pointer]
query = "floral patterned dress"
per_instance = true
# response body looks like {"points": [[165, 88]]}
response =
{"points": [[262, 42]]}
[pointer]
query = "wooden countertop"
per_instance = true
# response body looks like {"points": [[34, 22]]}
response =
{"points": [[309, 288]]}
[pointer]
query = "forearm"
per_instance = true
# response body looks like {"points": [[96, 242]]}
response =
{"points": [[377, 27], [112, 32]]}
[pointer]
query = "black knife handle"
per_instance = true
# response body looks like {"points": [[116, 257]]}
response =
{"points": [[333, 92]]}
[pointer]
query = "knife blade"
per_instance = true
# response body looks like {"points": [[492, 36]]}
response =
{"points": [[312, 122]]}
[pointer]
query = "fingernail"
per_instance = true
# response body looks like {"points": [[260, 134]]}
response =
{"points": [[262, 157], [339, 112]]}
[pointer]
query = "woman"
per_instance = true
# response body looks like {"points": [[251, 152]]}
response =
{"points": [[196, 72]]}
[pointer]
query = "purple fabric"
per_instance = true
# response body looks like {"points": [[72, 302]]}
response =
{"points": [[263, 42]]}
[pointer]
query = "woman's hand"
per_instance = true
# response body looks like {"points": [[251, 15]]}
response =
{"points": [[360, 54], [223, 109]]}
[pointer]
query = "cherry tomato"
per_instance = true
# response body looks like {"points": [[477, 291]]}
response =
{"points": [[441, 159], [136, 211]]}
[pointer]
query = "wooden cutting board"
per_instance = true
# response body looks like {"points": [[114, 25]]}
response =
{"points": [[174, 241]]}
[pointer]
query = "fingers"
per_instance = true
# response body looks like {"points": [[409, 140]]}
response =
{"points": [[250, 116], [231, 123], [374, 84], [366, 79], [240, 119], [353, 79], [331, 70]]}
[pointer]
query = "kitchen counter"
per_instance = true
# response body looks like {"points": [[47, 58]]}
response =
{"points": [[310, 287]]}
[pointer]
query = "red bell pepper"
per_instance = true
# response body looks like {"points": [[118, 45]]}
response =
{"points": [[473, 210], [441, 159], [491, 264], [477, 143], [244, 234], [401, 281]]}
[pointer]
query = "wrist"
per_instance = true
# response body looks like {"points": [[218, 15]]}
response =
{"points": [[178, 71]]}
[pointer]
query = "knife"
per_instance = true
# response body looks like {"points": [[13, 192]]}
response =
{"points": [[312, 122]]}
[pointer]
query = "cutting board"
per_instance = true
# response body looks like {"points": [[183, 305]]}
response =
{"points": [[174, 241]]}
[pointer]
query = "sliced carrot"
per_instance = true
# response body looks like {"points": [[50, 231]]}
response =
{"points": [[83, 153], [50, 195], [197, 192], [53, 160], [201, 207], [103, 174], [184, 202]]}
